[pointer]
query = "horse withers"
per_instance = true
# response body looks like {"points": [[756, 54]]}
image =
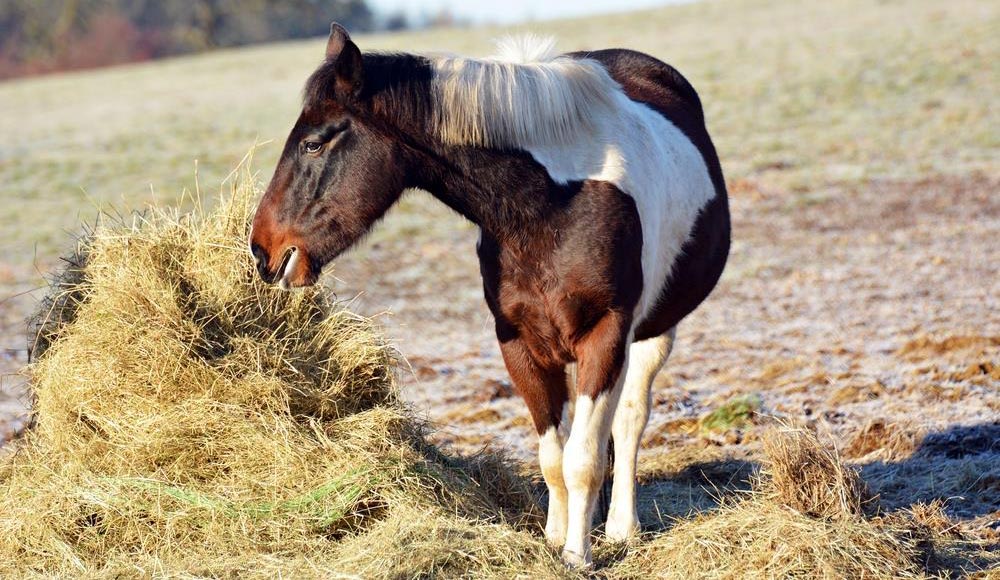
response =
{"points": [[603, 222]]}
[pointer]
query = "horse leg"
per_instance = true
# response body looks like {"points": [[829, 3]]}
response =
{"points": [[601, 356], [544, 391], [645, 359]]}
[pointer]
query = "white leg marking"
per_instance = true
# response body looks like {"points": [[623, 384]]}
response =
{"points": [[550, 458], [646, 358], [583, 467]]}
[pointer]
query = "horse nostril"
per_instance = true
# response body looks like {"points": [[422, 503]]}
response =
{"points": [[260, 260]]}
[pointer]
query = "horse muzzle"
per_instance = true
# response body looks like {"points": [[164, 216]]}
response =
{"points": [[292, 269]]}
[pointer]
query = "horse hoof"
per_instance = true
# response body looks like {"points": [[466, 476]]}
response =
{"points": [[575, 560]]}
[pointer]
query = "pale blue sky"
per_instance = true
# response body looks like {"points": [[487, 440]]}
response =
{"points": [[507, 11]]}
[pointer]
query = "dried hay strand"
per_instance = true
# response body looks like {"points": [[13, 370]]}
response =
{"points": [[804, 518], [193, 421]]}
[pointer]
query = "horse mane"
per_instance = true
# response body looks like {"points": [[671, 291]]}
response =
{"points": [[525, 94]]}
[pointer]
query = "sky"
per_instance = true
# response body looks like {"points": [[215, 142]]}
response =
{"points": [[508, 11]]}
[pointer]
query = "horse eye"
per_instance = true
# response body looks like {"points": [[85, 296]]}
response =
{"points": [[312, 146]]}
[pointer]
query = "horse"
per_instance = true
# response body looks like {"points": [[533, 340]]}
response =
{"points": [[603, 218]]}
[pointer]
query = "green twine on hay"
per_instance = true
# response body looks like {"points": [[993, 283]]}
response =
{"points": [[347, 488]]}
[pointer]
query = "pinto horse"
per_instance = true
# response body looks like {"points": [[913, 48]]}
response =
{"points": [[603, 222]]}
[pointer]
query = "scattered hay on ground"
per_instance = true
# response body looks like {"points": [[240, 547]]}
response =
{"points": [[807, 516], [757, 538], [811, 479], [918, 348], [884, 441]]}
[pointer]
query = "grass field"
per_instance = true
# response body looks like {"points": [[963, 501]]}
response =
{"points": [[861, 146]]}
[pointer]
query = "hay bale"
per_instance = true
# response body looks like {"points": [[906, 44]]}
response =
{"points": [[193, 421]]}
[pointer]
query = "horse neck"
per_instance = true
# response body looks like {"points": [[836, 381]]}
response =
{"points": [[506, 193]]}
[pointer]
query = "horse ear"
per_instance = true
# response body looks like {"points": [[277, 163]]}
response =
{"points": [[341, 50], [337, 41]]}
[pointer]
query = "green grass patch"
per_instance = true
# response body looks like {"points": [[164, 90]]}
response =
{"points": [[736, 413]]}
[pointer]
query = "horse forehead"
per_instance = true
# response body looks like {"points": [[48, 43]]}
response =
{"points": [[319, 111]]}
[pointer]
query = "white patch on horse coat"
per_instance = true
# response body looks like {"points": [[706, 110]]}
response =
{"points": [[648, 158], [523, 95], [646, 358]]}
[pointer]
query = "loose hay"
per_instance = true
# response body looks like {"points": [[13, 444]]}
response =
{"points": [[810, 478], [193, 421], [880, 440], [804, 518], [760, 539]]}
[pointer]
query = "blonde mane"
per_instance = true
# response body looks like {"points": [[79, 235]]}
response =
{"points": [[524, 95]]}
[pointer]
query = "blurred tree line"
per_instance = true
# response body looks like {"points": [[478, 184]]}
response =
{"points": [[39, 36]]}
